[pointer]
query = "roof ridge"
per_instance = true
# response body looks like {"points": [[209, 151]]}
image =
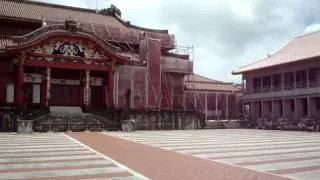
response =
{"points": [[206, 78], [308, 34], [270, 55], [55, 5]]}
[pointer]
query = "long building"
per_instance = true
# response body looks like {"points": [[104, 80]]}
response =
{"points": [[282, 90]]}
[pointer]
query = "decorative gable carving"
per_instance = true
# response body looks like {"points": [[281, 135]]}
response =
{"points": [[69, 48]]}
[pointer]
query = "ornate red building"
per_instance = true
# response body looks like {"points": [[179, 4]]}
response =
{"points": [[54, 55]]}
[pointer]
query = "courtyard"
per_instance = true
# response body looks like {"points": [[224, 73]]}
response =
{"points": [[191, 154]]}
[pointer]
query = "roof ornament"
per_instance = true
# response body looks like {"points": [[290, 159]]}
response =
{"points": [[71, 25], [269, 55], [112, 10], [43, 20]]}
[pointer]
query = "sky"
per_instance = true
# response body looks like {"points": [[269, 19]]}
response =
{"points": [[225, 34]]}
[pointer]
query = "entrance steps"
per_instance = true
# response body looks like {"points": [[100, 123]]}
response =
{"points": [[63, 118], [223, 124], [65, 111]]}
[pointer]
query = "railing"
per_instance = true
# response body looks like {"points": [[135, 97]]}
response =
{"points": [[287, 86], [314, 83]]}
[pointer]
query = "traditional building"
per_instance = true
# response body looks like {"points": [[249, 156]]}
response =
{"points": [[282, 90], [54, 55]]}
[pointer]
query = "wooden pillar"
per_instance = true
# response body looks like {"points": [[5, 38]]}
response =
{"points": [[271, 83], [294, 80], [206, 105], [132, 88], [110, 90], [43, 92], [272, 110], [48, 85], [184, 100], [261, 84], [307, 78], [262, 108], [194, 99], [282, 81], [227, 106], [309, 112], [295, 109], [284, 111], [237, 105], [87, 97], [217, 106], [19, 84]]}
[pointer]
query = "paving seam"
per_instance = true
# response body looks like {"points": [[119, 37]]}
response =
{"points": [[108, 158]]}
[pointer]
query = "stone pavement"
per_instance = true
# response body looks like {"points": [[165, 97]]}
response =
{"points": [[162, 164], [55, 156], [295, 155]]}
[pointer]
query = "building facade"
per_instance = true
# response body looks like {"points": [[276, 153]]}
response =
{"points": [[54, 55], [282, 90]]}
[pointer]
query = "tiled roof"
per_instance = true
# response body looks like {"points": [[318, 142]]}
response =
{"points": [[198, 78], [111, 27], [301, 48], [197, 82], [37, 11], [5, 41], [32, 10]]}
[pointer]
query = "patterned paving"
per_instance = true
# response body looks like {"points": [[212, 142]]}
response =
{"points": [[55, 156], [290, 154]]}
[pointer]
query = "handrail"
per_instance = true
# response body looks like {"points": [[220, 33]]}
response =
{"points": [[286, 86]]}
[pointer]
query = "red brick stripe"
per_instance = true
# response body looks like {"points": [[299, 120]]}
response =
{"points": [[157, 163]]}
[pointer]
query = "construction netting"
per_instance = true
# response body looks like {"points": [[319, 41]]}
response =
{"points": [[133, 79], [214, 105]]}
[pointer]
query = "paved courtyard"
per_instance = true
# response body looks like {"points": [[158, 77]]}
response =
{"points": [[55, 156], [194, 154], [295, 155]]}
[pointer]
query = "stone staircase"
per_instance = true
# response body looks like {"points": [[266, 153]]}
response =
{"points": [[223, 124], [214, 125], [70, 119]]}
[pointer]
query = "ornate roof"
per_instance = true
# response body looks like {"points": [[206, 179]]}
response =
{"points": [[301, 48]]}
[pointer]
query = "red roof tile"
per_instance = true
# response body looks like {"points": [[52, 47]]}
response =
{"points": [[301, 48], [38, 11], [197, 82]]}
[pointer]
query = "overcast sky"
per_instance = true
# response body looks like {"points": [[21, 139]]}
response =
{"points": [[226, 34]]}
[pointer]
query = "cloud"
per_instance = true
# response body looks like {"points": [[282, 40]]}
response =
{"points": [[312, 28], [226, 34]]}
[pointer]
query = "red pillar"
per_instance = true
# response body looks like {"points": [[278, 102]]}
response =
{"points": [[43, 93], [87, 96], [110, 89], [18, 94]]}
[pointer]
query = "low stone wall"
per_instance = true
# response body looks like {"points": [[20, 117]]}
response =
{"points": [[25, 126]]}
